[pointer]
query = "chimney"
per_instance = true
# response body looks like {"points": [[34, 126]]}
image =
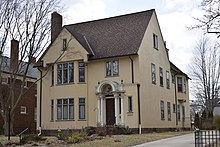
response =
{"points": [[14, 54], [56, 25]]}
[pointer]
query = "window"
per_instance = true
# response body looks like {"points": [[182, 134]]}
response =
{"points": [[162, 109], [161, 76], [179, 84], [81, 71], [174, 108], [82, 111], [155, 41], [130, 104], [178, 112], [153, 71], [112, 68], [168, 79], [51, 110], [65, 109], [23, 110], [184, 85], [183, 113], [35, 114], [64, 44], [52, 75], [168, 111], [65, 73], [173, 78]]}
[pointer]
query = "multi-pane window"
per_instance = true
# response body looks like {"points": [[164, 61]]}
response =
{"points": [[174, 108], [162, 109], [168, 79], [178, 112], [65, 73], [65, 109], [23, 110], [81, 71], [51, 110], [168, 111], [52, 75], [130, 104], [112, 68], [155, 41], [153, 71], [183, 113], [64, 44], [179, 84], [161, 76], [184, 85], [82, 108]]}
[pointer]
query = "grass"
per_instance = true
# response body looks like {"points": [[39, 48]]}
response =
{"points": [[128, 140]]}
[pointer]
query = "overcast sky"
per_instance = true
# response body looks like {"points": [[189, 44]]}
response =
{"points": [[174, 17]]}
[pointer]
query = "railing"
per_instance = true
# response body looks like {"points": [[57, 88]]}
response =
{"points": [[207, 138], [22, 132]]}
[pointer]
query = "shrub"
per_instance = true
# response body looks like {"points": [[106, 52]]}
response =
{"points": [[76, 138], [61, 135], [217, 122], [89, 130], [30, 137]]}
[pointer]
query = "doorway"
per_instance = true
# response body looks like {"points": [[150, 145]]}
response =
{"points": [[110, 111]]}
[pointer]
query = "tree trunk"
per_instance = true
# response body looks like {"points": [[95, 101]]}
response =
{"points": [[6, 125]]}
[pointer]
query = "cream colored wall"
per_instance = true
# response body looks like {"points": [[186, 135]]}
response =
{"points": [[152, 94]]}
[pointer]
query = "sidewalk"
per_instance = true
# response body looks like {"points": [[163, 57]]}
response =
{"points": [[178, 141]]}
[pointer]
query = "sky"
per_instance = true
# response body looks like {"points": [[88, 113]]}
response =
{"points": [[175, 17]]}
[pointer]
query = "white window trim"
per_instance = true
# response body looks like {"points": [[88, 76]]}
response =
{"points": [[23, 108]]}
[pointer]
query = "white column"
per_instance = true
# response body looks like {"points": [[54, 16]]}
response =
{"points": [[122, 110], [99, 111], [102, 112], [116, 109]]}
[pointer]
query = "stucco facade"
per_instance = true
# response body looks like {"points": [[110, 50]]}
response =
{"points": [[126, 97]]}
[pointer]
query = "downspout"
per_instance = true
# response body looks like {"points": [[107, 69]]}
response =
{"points": [[176, 100], [40, 101], [139, 108], [132, 70]]}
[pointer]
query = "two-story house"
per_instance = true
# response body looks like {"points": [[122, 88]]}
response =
{"points": [[24, 115], [113, 71]]}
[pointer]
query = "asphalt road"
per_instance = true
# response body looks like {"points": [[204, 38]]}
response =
{"points": [[178, 141]]}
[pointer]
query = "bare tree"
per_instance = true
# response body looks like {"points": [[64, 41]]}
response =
{"points": [[28, 22], [205, 71], [210, 22]]}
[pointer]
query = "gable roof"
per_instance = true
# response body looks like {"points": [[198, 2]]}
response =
{"points": [[31, 73], [176, 70], [112, 37]]}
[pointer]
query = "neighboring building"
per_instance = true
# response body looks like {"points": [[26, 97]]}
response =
{"points": [[25, 112], [113, 71]]}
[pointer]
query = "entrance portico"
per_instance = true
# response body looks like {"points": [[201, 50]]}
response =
{"points": [[110, 103]]}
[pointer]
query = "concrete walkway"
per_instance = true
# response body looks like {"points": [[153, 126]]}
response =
{"points": [[178, 141]]}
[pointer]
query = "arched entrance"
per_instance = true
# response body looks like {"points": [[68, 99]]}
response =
{"points": [[110, 103]]}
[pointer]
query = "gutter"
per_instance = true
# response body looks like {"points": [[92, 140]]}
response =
{"points": [[176, 100], [139, 108], [40, 102]]}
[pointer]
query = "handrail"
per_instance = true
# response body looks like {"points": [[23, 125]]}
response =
{"points": [[23, 132]]}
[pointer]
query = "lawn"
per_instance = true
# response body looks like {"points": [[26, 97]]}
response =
{"points": [[109, 141]]}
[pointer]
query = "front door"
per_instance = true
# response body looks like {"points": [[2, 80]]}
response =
{"points": [[110, 111]]}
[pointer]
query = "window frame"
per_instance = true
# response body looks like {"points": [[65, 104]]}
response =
{"points": [[155, 41], [169, 111], [153, 73], [179, 85], [52, 110], [168, 79], [162, 110], [109, 68], [23, 110], [64, 44], [174, 108], [130, 107], [184, 85], [63, 68], [52, 75], [83, 105], [84, 72], [63, 106], [178, 112], [161, 76]]}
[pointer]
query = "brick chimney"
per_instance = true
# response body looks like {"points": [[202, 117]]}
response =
{"points": [[14, 54], [56, 25]]}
